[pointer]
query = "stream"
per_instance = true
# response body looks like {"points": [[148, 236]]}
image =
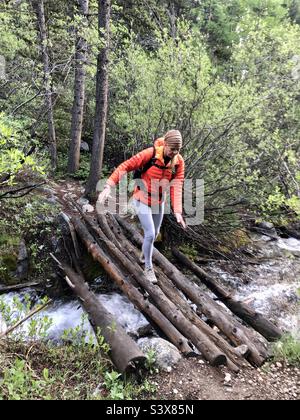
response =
{"points": [[272, 287]]}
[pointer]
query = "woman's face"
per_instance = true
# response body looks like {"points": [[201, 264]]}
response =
{"points": [[171, 151]]}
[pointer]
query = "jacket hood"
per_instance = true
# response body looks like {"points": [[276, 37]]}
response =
{"points": [[159, 145], [159, 142]]}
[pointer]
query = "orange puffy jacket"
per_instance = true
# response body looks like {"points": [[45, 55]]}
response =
{"points": [[155, 180]]}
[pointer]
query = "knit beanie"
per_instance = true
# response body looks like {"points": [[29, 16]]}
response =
{"points": [[173, 138]]}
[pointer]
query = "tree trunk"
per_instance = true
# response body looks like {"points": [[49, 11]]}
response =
{"points": [[101, 98], [174, 295], [124, 352], [81, 47], [130, 291], [243, 311], [168, 308], [15, 287], [234, 361], [120, 259], [38, 6], [233, 330]]}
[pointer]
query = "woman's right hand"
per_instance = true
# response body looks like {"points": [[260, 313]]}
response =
{"points": [[104, 195]]}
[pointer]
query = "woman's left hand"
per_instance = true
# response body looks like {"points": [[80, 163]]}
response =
{"points": [[180, 220]]}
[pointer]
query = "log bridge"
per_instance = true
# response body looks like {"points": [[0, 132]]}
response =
{"points": [[224, 330]]}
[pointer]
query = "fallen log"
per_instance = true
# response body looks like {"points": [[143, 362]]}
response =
{"points": [[92, 222], [242, 310], [112, 236], [235, 361], [232, 328], [167, 307], [123, 351], [15, 287], [130, 291]]}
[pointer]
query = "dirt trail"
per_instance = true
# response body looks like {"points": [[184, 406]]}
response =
{"points": [[194, 379]]}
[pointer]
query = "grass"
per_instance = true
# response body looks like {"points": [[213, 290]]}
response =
{"points": [[77, 369], [287, 350], [38, 371]]}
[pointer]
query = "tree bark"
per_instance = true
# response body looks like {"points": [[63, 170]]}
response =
{"points": [[101, 98], [130, 291], [233, 330], [243, 311], [120, 259], [39, 9], [81, 47], [168, 308], [176, 297], [234, 361], [15, 287], [124, 352]]}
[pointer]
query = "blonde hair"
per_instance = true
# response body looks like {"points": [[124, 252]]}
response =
{"points": [[173, 138]]}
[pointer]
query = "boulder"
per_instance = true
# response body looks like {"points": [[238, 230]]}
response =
{"points": [[84, 147], [166, 353], [82, 201], [87, 208], [266, 228]]}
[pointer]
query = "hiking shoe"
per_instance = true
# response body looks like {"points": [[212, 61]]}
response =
{"points": [[150, 275], [142, 258]]}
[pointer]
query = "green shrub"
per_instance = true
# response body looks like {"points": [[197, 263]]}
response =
{"points": [[288, 350]]}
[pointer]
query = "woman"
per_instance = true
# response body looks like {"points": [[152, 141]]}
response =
{"points": [[164, 165]]}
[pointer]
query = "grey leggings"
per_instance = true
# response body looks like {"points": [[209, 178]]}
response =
{"points": [[151, 222]]}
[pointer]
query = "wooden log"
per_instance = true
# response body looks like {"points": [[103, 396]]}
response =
{"points": [[169, 309], [92, 222], [106, 229], [122, 242], [233, 330], [242, 310], [166, 307], [124, 352], [234, 359], [130, 291], [15, 287]]}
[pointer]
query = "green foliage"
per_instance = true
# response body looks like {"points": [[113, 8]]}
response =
{"points": [[189, 250], [114, 385], [155, 90], [241, 126], [150, 361], [81, 174], [288, 350], [8, 266], [13, 142], [37, 327], [30, 217], [20, 383], [77, 369], [225, 73]]}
